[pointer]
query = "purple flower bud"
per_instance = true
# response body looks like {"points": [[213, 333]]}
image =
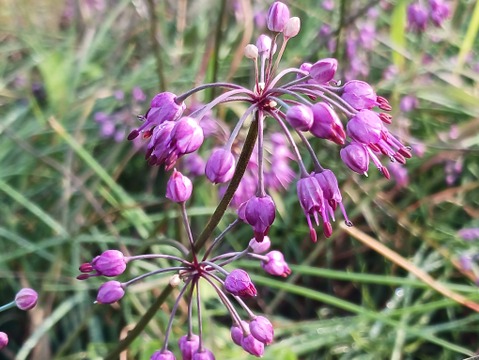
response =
{"points": [[417, 17], [252, 346], [239, 283], [194, 165], [365, 127], [163, 108], [408, 103], [237, 333], [306, 67], [275, 265], [220, 167], [179, 187], [204, 354], [262, 330], [188, 346], [356, 157], [439, 11], [260, 247], [300, 117], [26, 299], [311, 199], [260, 213], [163, 355], [359, 94], [278, 16], [157, 149], [326, 124], [264, 45], [109, 263], [251, 51], [323, 71], [186, 136], [3, 340], [110, 292], [292, 27]]}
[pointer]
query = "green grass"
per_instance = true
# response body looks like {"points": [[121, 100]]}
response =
{"points": [[67, 194]]}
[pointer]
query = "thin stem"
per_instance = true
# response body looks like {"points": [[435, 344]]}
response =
{"points": [[158, 256], [187, 226], [179, 99], [238, 126], [219, 238], [261, 191], [156, 272], [317, 165], [285, 72], [7, 306], [200, 323], [172, 315], [278, 58], [287, 133], [216, 267]]}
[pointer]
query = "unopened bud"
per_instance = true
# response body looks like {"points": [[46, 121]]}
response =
{"points": [[251, 51], [292, 27], [175, 280]]}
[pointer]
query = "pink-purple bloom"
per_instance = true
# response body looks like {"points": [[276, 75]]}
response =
{"points": [[253, 346], [163, 355], [110, 292], [179, 187], [220, 166], [278, 16], [260, 212], [26, 299], [188, 345], [3, 340], [262, 329], [239, 283], [274, 264]]}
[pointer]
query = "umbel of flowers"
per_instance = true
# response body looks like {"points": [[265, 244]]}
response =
{"points": [[305, 104], [26, 299]]}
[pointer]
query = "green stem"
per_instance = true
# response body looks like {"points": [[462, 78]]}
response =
{"points": [[208, 230]]}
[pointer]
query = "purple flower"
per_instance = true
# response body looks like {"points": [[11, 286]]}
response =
{"points": [[237, 332], [260, 213], [3, 340], [311, 199], [469, 234], [278, 16], [323, 71], [439, 11], [188, 345], [292, 27], [275, 264], [110, 292], [26, 299], [260, 247], [408, 103], [399, 173], [163, 107], [356, 157], [204, 354], [186, 136], [417, 17], [262, 329], [359, 94], [239, 283], [109, 263], [179, 187], [220, 166], [252, 346], [300, 117], [326, 124], [264, 45], [365, 127], [163, 355]]}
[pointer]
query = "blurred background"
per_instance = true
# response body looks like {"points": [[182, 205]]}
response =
{"points": [[74, 76]]}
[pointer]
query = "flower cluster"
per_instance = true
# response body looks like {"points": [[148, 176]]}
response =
{"points": [[26, 299], [419, 15], [297, 106]]}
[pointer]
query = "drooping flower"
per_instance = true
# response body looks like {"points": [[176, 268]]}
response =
{"points": [[188, 345], [262, 329], [179, 187], [260, 213], [239, 283], [275, 264], [3, 340], [110, 292], [220, 166]]}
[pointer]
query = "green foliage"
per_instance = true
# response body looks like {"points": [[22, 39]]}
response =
{"points": [[67, 193]]}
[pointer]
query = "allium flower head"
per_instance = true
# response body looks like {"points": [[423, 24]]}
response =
{"points": [[179, 187], [278, 16], [26, 299], [275, 264], [110, 292], [239, 283]]}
